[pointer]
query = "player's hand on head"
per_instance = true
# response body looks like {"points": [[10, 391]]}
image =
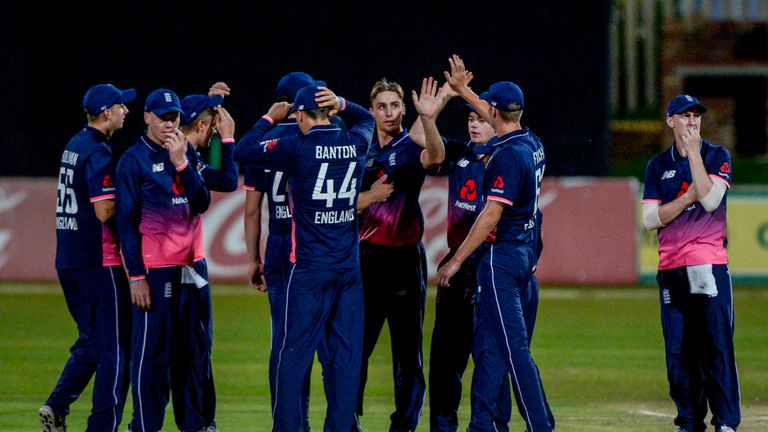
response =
{"points": [[219, 89], [279, 111], [140, 294], [225, 124], [326, 98], [426, 101], [381, 190]]}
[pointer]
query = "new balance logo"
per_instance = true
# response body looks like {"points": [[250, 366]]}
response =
{"points": [[463, 163], [158, 167], [668, 174]]}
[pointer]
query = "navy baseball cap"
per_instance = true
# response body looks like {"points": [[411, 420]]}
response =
{"points": [[162, 101], [193, 105], [305, 99], [103, 96], [290, 84], [503, 94], [486, 95], [682, 103]]}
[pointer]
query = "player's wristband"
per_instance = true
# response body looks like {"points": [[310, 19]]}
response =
{"points": [[184, 165], [268, 118], [227, 140], [342, 103], [137, 278]]}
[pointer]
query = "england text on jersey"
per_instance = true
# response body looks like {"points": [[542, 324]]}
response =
{"points": [[332, 217]]}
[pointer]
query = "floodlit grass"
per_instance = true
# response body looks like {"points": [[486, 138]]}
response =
{"points": [[600, 352]]}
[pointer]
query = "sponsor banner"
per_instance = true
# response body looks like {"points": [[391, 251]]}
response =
{"points": [[589, 231], [747, 238]]}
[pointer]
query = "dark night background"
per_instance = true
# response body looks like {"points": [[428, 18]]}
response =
{"points": [[557, 51]]}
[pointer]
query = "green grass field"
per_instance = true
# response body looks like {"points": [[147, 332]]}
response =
{"points": [[600, 352]]}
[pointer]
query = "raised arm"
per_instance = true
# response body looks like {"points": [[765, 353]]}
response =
{"points": [[428, 106], [458, 78]]}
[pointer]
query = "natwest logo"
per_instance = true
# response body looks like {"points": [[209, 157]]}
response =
{"points": [[468, 191], [498, 183]]}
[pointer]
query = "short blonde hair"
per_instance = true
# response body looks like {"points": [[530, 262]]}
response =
{"points": [[384, 85]]}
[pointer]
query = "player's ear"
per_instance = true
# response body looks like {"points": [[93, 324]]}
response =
{"points": [[670, 121], [147, 118]]}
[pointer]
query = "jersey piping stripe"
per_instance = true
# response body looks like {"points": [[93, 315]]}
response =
{"points": [[141, 369], [117, 349], [285, 337], [499, 199], [102, 197], [717, 177], [324, 130], [651, 200], [506, 342], [147, 144], [249, 188]]}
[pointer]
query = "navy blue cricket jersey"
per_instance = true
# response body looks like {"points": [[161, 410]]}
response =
{"points": [[273, 182], [324, 168], [398, 221], [86, 175], [465, 189], [513, 177], [224, 179]]}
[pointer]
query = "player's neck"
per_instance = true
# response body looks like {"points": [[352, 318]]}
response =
{"points": [[101, 127], [386, 138], [505, 128]]}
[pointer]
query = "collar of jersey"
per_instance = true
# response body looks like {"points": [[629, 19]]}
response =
{"points": [[151, 144], [508, 138], [288, 122], [395, 141], [323, 128], [97, 134], [675, 154]]}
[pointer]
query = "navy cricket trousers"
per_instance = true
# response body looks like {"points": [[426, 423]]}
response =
{"points": [[99, 301], [698, 339], [395, 285], [323, 311], [198, 404], [277, 264], [501, 347], [451, 346], [163, 346]]}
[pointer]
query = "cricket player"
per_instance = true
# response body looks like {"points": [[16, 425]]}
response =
{"points": [[89, 266], [392, 257], [512, 185], [323, 295], [271, 275], [685, 200], [160, 197], [203, 116]]}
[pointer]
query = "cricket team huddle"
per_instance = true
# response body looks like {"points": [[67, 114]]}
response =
{"points": [[344, 254]]}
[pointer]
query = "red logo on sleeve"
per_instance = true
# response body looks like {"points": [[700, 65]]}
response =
{"points": [[107, 181], [178, 186], [498, 183], [269, 145], [725, 168], [468, 191]]}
